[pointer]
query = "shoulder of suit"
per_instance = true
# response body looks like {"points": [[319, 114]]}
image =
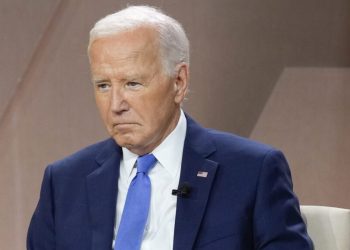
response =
{"points": [[83, 160], [231, 143], [225, 144]]}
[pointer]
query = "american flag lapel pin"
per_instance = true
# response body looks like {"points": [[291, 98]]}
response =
{"points": [[202, 174]]}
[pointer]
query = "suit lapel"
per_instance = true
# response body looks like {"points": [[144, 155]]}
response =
{"points": [[102, 193], [190, 210]]}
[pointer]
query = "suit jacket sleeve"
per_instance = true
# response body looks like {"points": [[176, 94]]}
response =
{"points": [[41, 233], [277, 221]]}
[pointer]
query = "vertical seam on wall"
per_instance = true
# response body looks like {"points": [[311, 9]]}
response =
{"points": [[34, 60], [10, 117]]}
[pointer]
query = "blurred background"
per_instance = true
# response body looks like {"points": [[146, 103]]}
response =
{"points": [[274, 71]]}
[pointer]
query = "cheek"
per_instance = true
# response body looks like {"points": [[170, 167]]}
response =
{"points": [[102, 107], [157, 119]]}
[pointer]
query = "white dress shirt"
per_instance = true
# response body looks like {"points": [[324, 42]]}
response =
{"points": [[165, 175]]}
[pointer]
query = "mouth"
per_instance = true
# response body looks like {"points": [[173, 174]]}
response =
{"points": [[124, 125]]}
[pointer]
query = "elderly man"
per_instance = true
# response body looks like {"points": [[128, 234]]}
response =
{"points": [[161, 182]]}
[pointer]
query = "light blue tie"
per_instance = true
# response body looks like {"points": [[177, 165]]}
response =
{"points": [[135, 213]]}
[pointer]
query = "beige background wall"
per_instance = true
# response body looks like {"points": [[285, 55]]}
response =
{"points": [[308, 117], [261, 69]]}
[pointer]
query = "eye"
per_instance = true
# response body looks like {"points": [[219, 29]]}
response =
{"points": [[133, 85], [103, 86]]}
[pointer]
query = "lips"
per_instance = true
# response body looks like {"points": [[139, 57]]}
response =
{"points": [[124, 125]]}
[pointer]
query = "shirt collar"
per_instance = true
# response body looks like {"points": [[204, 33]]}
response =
{"points": [[168, 153], [129, 159]]}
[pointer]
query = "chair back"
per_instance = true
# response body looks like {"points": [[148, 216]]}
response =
{"points": [[328, 227]]}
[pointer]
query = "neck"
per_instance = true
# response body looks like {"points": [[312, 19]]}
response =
{"points": [[157, 141]]}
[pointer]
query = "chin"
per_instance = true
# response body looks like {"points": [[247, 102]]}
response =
{"points": [[124, 141]]}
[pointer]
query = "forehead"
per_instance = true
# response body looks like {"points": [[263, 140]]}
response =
{"points": [[127, 44], [131, 51]]}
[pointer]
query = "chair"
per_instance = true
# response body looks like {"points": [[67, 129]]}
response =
{"points": [[328, 227]]}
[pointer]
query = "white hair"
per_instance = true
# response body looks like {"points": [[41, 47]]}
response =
{"points": [[174, 44]]}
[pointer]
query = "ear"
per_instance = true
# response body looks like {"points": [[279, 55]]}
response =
{"points": [[181, 82]]}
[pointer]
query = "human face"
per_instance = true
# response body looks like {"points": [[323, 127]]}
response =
{"points": [[139, 104]]}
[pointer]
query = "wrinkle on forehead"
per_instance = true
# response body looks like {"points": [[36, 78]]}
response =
{"points": [[131, 43], [127, 56]]}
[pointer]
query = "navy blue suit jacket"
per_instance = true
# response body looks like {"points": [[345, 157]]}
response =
{"points": [[246, 201]]}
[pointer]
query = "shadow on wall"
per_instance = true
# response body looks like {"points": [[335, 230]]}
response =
{"points": [[308, 117]]}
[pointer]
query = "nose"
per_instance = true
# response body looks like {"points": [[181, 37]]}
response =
{"points": [[118, 103]]}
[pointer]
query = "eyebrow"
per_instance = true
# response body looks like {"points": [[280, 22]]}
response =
{"points": [[99, 80], [134, 76]]}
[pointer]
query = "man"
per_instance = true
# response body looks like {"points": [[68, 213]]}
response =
{"points": [[201, 189]]}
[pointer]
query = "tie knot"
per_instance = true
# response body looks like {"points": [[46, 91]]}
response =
{"points": [[145, 162]]}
